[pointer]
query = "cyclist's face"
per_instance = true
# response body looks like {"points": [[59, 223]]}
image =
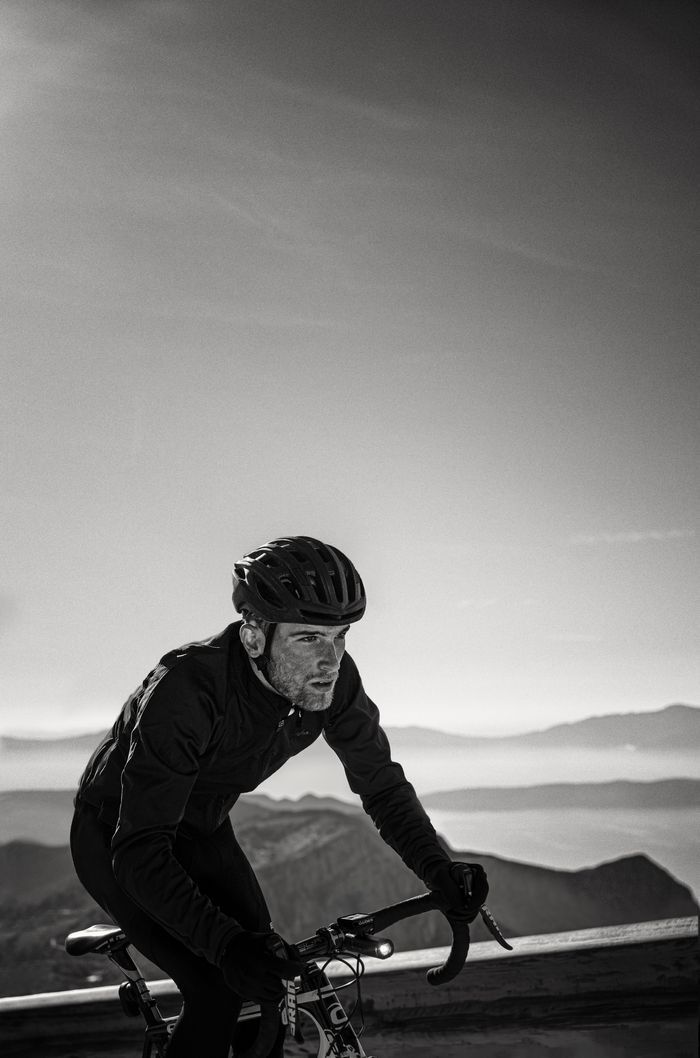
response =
{"points": [[304, 663]]}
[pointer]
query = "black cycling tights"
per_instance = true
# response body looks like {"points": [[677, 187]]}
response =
{"points": [[205, 1027]]}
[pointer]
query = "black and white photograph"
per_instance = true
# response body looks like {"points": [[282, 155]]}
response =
{"points": [[350, 605]]}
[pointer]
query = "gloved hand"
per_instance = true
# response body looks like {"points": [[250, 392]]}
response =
{"points": [[250, 969], [463, 887]]}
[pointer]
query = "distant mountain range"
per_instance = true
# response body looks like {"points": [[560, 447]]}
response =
{"points": [[675, 727], [664, 793], [44, 815], [314, 864]]}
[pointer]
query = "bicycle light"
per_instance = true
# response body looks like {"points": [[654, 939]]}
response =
{"points": [[375, 947], [384, 949]]}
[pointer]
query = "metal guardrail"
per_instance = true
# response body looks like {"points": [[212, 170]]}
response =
{"points": [[639, 973]]}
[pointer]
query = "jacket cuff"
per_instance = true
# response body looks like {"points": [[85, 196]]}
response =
{"points": [[433, 868]]}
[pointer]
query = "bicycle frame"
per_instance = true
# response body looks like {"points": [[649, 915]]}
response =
{"points": [[314, 997], [311, 994]]}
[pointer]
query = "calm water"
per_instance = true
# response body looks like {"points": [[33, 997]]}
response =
{"points": [[555, 838], [568, 839]]}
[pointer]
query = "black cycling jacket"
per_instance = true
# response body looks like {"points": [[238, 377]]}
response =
{"points": [[201, 730]]}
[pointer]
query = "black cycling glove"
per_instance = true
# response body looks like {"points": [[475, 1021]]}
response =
{"points": [[462, 887], [251, 970]]}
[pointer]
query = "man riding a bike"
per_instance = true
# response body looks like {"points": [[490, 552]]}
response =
{"points": [[152, 841]]}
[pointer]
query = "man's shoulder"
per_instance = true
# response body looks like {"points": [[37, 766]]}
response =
{"points": [[200, 664], [217, 645]]}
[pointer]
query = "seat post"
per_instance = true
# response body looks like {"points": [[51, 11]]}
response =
{"points": [[118, 953]]}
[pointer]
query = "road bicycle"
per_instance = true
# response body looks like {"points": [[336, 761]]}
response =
{"points": [[311, 1002]]}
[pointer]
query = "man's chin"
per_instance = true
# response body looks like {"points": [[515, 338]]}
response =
{"points": [[316, 703]]}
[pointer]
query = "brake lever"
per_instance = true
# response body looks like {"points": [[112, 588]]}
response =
{"points": [[488, 919], [493, 927]]}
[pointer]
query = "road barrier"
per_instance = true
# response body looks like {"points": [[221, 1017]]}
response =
{"points": [[637, 982]]}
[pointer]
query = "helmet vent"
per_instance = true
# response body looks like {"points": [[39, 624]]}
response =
{"points": [[299, 580]]}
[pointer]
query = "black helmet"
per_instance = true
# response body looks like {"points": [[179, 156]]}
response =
{"points": [[299, 580]]}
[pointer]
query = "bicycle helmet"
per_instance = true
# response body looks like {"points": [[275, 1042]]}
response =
{"points": [[299, 580]]}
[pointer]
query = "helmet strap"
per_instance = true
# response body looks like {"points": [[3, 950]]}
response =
{"points": [[261, 662]]}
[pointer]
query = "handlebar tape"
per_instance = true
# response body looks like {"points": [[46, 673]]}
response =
{"points": [[440, 975], [417, 905]]}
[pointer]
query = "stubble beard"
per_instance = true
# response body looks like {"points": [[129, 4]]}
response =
{"points": [[294, 686]]}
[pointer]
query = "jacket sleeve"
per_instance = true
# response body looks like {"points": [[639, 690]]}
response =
{"points": [[354, 733], [175, 723]]}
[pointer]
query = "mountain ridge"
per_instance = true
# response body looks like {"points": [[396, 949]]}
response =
{"points": [[620, 793], [672, 727], [308, 883], [44, 815]]}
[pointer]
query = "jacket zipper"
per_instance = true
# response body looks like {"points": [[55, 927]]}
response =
{"points": [[299, 724], [299, 728]]}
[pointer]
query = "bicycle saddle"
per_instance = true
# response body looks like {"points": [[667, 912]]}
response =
{"points": [[95, 938]]}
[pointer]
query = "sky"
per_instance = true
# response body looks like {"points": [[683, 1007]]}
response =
{"points": [[418, 279]]}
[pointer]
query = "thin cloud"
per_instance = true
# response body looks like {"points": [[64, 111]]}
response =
{"points": [[503, 243], [635, 537]]}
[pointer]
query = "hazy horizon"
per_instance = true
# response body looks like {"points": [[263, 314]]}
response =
{"points": [[60, 733], [429, 767]]}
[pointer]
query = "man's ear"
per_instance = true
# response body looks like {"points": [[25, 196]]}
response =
{"points": [[253, 640]]}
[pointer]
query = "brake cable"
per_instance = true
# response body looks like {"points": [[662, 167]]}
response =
{"points": [[356, 972]]}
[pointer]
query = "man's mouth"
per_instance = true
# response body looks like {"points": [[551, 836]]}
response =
{"points": [[322, 685]]}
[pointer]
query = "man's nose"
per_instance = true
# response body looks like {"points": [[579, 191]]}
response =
{"points": [[330, 656]]}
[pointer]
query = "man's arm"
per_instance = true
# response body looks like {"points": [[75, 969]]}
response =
{"points": [[175, 723], [354, 732]]}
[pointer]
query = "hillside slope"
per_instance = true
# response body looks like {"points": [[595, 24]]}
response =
{"points": [[314, 865]]}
